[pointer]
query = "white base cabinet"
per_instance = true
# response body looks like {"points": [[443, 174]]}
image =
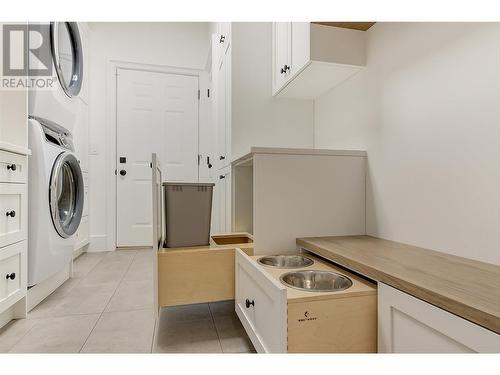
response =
{"points": [[409, 325]]}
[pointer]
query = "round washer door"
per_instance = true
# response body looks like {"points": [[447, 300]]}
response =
{"points": [[66, 194], [67, 55]]}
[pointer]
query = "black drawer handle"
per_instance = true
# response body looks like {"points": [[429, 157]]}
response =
{"points": [[11, 213], [249, 303], [12, 167], [221, 177], [11, 276], [222, 39], [222, 157]]}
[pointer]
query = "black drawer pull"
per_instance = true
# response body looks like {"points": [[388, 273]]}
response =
{"points": [[11, 213], [12, 167], [11, 276], [249, 303]]}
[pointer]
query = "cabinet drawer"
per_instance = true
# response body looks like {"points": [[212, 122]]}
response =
{"points": [[13, 265], [13, 167], [13, 214], [265, 320]]}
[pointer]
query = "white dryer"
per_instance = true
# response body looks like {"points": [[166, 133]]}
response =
{"points": [[60, 103], [56, 194]]}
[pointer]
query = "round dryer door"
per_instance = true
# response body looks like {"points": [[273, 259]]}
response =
{"points": [[66, 194], [67, 55]]}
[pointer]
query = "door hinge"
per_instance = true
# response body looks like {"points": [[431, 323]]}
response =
{"points": [[198, 94]]}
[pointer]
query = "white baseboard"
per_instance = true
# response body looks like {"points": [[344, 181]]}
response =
{"points": [[16, 311], [42, 290], [98, 243], [78, 252]]}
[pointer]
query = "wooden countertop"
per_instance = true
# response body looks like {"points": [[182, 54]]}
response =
{"points": [[464, 287]]}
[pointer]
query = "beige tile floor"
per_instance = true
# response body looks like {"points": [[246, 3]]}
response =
{"points": [[107, 307]]}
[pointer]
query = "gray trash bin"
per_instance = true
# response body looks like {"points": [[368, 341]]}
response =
{"points": [[188, 212]]}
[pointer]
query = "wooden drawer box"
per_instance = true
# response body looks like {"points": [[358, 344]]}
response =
{"points": [[196, 274], [279, 319], [13, 217], [13, 265], [13, 167]]}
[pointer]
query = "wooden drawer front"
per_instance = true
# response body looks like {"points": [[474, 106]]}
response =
{"points": [[13, 264], [9, 162], [265, 321], [13, 217]]}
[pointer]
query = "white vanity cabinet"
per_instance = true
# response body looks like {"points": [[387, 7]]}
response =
{"points": [[309, 59], [409, 325], [13, 204], [280, 319]]}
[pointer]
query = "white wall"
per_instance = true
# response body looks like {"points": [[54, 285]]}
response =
{"points": [[259, 119], [426, 109], [167, 44]]}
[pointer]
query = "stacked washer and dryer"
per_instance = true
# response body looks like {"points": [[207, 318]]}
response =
{"points": [[55, 183]]}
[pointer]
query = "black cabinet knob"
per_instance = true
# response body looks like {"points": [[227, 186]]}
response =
{"points": [[11, 276], [12, 167], [222, 157], [123, 172], [284, 69], [249, 303], [221, 177], [11, 213]]}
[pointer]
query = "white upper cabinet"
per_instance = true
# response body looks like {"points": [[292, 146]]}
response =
{"points": [[310, 59], [281, 49], [222, 40]]}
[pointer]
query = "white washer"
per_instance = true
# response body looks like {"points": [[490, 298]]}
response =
{"points": [[60, 104], [56, 194]]}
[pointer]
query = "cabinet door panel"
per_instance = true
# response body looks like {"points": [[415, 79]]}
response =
{"points": [[410, 325], [221, 114], [281, 37], [300, 46], [227, 123]]}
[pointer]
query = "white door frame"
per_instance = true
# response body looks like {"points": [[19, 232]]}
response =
{"points": [[111, 131]]}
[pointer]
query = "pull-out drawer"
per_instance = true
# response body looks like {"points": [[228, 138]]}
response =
{"points": [[13, 167], [12, 274], [13, 217], [261, 305]]}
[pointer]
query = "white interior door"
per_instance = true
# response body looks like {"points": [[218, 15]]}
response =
{"points": [[156, 113]]}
